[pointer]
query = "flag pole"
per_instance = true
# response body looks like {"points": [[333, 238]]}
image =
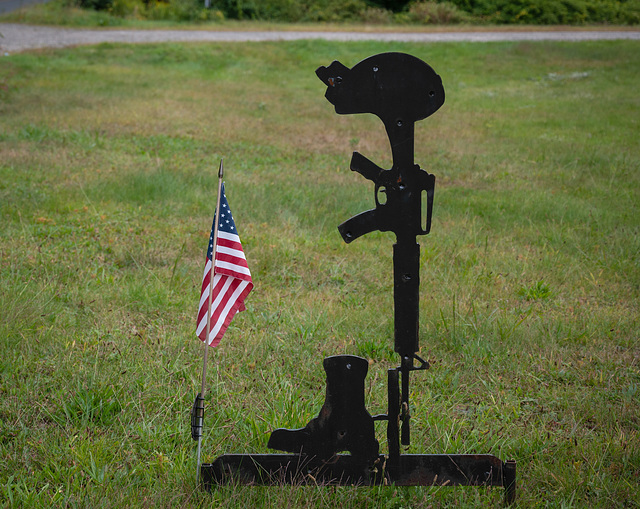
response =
{"points": [[208, 329]]}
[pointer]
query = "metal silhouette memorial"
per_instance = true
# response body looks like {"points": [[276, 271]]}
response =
{"points": [[401, 90]]}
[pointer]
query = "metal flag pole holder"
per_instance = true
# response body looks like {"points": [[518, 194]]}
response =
{"points": [[400, 89], [197, 411]]}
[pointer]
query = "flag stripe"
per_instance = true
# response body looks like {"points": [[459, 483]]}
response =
{"points": [[234, 292], [229, 251], [231, 269]]}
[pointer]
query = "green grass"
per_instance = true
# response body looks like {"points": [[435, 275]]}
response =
{"points": [[530, 277]]}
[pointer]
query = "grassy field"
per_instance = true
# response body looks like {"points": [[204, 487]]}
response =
{"points": [[530, 277]]}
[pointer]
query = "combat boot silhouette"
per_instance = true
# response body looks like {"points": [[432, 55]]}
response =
{"points": [[343, 423]]}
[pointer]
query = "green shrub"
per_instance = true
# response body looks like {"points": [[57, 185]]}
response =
{"points": [[553, 12], [377, 16], [615, 12], [291, 10], [177, 10], [540, 12], [390, 5], [96, 5], [126, 8], [440, 13], [335, 10], [276, 10], [543, 12], [280, 10]]}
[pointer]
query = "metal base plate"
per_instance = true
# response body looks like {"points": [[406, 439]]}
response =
{"points": [[407, 470]]}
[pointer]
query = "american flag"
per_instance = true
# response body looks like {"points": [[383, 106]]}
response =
{"points": [[231, 280]]}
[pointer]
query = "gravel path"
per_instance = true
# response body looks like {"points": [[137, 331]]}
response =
{"points": [[15, 38]]}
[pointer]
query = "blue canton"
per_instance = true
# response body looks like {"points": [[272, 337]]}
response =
{"points": [[226, 223]]}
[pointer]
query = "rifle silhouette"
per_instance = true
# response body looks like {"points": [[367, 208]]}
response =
{"points": [[400, 89]]}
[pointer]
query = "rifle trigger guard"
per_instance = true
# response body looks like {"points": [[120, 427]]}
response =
{"points": [[376, 190]]}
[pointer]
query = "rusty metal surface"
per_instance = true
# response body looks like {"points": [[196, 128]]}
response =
{"points": [[278, 469], [447, 470], [410, 470]]}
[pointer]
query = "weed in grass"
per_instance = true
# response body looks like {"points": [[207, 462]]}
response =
{"points": [[90, 405], [538, 291]]}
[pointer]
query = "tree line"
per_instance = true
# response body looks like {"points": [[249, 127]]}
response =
{"points": [[423, 12]]}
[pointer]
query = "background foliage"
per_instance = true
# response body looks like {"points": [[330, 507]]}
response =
{"points": [[420, 12], [553, 12]]}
